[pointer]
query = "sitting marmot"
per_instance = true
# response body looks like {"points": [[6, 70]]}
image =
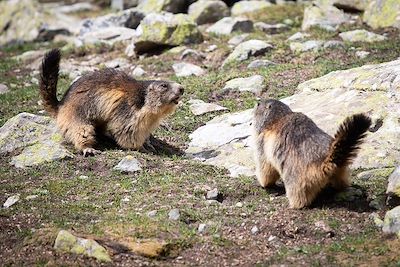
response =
{"points": [[289, 145], [106, 102]]}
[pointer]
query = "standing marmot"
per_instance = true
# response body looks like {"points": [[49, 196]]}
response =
{"points": [[289, 145], [107, 102]]}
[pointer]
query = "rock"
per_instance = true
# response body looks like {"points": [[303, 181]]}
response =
{"points": [[333, 44], [378, 203], [312, 45], [245, 50], [36, 154], [271, 28], [237, 39], [174, 214], [150, 248], [254, 230], [321, 225], [128, 164], [30, 56], [123, 4], [166, 29], [213, 194], [239, 205], [361, 36], [255, 84], [375, 173], [382, 13], [224, 142], [37, 135], [31, 197], [377, 221], [117, 63], [138, 72], [156, 6], [298, 36], [362, 54], [3, 89], [77, 7], [11, 201], [109, 36], [130, 18], [199, 107], [260, 63], [391, 223], [211, 48], [349, 5], [184, 69], [323, 16], [229, 25], [67, 242], [201, 228], [393, 187], [26, 20], [191, 53], [152, 213], [208, 11], [348, 195], [243, 7]]}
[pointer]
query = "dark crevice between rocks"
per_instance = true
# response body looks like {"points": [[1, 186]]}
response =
{"points": [[348, 9]]}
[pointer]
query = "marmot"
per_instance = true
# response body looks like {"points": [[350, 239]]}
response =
{"points": [[291, 146], [107, 102]]}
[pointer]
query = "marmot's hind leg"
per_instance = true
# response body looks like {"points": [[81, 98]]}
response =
{"points": [[83, 136], [341, 179], [267, 175]]}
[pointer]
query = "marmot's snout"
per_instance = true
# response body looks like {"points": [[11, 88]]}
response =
{"points": [[178, 90]]}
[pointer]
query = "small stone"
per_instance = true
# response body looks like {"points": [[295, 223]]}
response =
{"points": [[212, 194], [288, 22], [174, 214], [117, 63], [201, 228], [323, 226], [247, 49], [228, 25], [138, 72], [362, 54], [361, 36], [199, 107], [184, 69], [298, 36], [271, 28], [191, 53], [254, 230], [152, 213], [83, 177], [253, 84], [260, 63], [313, 45], [128, 164], [237, 39], [239, 205], [31, 197], [377, 221], [11, 201], [272, 238], [211, 48], [66, 242], [3, 89], [333, 44]]}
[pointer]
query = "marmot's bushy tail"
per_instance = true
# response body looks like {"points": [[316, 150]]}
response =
{"points": [[48, 81], [347, 140]]}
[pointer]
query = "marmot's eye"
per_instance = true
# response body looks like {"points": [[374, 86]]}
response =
{"points": [[164, 86]]}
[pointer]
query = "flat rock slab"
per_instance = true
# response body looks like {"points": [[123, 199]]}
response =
{"points": [[38, 137], [323, 16], [361, 36], [229, 25], [199, 107], [243, 7], [247, 49], [311, 45], [225, 140], [254, 84]]}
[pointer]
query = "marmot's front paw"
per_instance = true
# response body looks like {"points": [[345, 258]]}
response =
{"points": [[90, 152]]}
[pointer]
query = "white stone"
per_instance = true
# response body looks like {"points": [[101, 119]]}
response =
{"points": [[11, 201], [128, 164], [199, 107], [255, 84], [184, 69]]}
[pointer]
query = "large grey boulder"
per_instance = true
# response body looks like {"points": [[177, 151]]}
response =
{"points": [[173, 6], [323, 16], [393, 187], [245, 50], [229, 25], [208, 11], [243, 7], [375, 89], [38, 137], [361, 36], [26, 20], [391, 223], [382, 13], [166, 29]]}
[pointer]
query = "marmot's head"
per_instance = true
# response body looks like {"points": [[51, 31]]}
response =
{"points": [[267, 112], [163, 96]]}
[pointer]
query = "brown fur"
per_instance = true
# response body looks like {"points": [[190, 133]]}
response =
{"points": [[289, 145], [107, 102]]}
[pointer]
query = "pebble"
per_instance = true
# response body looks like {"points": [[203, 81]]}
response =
{"points": [[202, 227], [11, 201], [254, 230], [174, 214], [152, 213]]}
